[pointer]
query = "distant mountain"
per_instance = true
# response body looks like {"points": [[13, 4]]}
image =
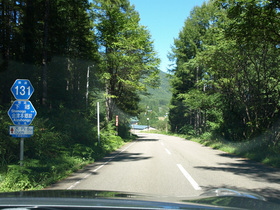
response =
{"points": [[164, 89], [159, 98]]}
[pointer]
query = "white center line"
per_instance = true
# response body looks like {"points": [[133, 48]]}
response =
{"points": [[168, 152], [189, 178], [86, 176]]}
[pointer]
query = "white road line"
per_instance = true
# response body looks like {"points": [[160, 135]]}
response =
{"points": [[168, 152], [86, 176], [189, 178], [112, 158], [73, 185]]}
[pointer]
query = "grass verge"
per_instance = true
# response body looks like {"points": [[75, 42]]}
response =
{"points": [[38, 174]]}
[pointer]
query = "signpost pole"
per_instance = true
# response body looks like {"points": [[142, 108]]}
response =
{"points": [[98, 126], [21, 151]]}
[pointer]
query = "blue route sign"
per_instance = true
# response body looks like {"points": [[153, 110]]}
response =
{"points": [[22, 112], [22, 89]]}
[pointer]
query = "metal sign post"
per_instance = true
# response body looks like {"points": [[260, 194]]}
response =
{"points": [[21, 151], [98, 126]]}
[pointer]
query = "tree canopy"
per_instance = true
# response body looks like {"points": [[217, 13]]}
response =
{"points": [[128, 62], [226, 74]]}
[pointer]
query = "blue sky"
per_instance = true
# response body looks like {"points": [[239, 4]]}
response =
{"points": [[164, 19]]}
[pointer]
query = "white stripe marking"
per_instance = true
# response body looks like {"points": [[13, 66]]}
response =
{"points": [[189, 178], [168, 152], [86, 176], [72, 186]]}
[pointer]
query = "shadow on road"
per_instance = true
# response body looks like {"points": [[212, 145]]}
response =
{"points": [[254, 171], [116, 156], [127, 157], [143, 138]]}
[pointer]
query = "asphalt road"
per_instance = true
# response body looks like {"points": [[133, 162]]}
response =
{"points": [[164, 165]]}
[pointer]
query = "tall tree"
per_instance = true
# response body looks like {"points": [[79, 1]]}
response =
{"points": [[35, 34], [234, 65], [128, 61], [252, 79], [188, 74]]}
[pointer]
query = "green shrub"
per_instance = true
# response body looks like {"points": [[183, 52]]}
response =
{"points": [[110, 143], [187, 129], [60, 145], [8, 145], [17, 178], [82, 151], [206, 136]]}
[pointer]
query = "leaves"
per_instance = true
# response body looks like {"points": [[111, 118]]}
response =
{"points": [[128, 61], [71, 51], [229, 51]]}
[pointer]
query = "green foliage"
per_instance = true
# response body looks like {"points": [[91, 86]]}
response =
{"points": [[8, 145], [128, 61], [110, 143], [190, 80], [155, 104], [226, 76], [17, 179], [49, 159], [80, 150], [225, 81], [37, 174]]}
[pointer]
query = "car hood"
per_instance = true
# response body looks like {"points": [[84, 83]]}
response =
{"points": [[61, 199]]}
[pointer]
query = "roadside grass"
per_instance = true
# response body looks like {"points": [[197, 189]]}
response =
{"points": [[35, 174], [255, 149], [38, 174]]}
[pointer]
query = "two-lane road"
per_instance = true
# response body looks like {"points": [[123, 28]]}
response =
{"points": [[164, 165]]}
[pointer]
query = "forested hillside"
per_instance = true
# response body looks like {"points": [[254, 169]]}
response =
{"points": [[75, 53], [155, 105], [226, 78]]}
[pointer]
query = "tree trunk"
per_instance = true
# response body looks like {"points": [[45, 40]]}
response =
{"points": [[45, 55], [109, 110], [6, 34]]}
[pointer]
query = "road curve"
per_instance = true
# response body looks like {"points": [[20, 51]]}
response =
{"points": [[164, 165]]}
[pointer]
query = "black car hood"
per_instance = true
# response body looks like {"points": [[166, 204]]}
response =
{"points": [[67, 199]]}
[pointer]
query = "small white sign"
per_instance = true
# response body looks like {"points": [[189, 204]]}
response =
{"points": [[21, 131]]}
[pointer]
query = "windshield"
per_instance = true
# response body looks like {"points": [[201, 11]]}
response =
{"points": [[170, 98]]}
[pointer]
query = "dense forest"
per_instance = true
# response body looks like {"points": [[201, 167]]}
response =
{"points": [[225, 77], [75, 53]]}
